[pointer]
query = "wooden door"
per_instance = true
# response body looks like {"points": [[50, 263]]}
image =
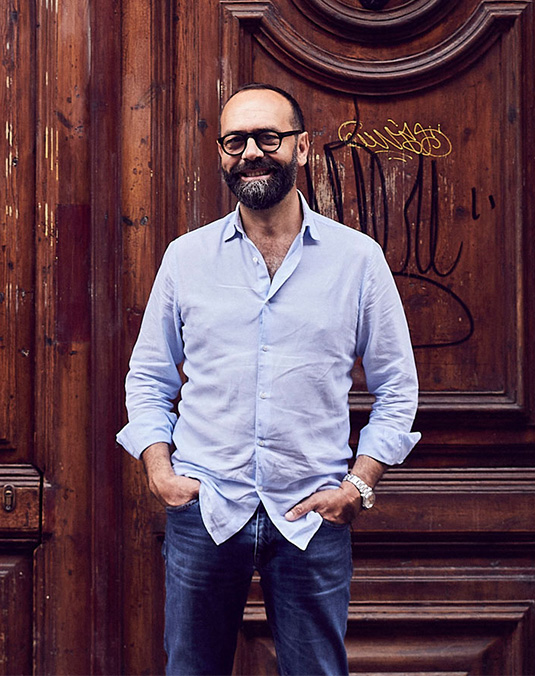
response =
{"points": [[421, 117]]}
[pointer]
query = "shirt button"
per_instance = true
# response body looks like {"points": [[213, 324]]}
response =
{"points": [[263, 395], [261, 442], [255, 259], [264, 348]]}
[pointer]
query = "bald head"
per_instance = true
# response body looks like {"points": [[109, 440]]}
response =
{"points": [[298, 120], [251, 109]]}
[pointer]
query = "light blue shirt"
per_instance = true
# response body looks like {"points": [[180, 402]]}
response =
{"points": [[264, 410]]}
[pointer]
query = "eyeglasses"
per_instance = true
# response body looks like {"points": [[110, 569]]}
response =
{"points": [[267, 140]]}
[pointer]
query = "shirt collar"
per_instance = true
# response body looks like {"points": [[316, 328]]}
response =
{"points": [[234, 226], [309, 224]]}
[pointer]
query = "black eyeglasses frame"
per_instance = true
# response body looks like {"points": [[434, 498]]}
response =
{"points": [[254, 135]]}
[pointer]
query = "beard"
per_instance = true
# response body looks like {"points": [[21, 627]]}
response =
{"points": [[262, 193]]}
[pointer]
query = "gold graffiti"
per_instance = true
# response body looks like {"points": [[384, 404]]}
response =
{"points": [[418, 140]]}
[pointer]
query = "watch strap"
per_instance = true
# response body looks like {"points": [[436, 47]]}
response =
{"points": [[366, 492]]}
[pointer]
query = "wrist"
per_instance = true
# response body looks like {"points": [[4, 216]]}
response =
{"points": [[365, 491], [160, 477], [369, 470]]}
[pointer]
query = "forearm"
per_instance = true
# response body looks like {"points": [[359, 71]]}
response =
{"points": [[157, 462], [166, 486], [369, 470]]}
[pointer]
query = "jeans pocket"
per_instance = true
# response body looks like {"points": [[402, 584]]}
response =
{"points": [[181, 508], [332, 524]]}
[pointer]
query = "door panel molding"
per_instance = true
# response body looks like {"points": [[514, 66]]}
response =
{"points": [[453, 503], [21, 500], [475, 637], [16, 589]]}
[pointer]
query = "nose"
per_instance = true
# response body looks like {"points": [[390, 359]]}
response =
{"points": [[251, 150]]}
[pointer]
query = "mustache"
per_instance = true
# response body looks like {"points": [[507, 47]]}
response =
{"points": [[255, 165]]}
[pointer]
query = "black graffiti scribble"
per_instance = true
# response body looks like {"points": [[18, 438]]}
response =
{"points": [[475, 212], [420, 255], [434, 223]]}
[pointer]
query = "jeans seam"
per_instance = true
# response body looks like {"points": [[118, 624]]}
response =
{"points": [[257, 529]]}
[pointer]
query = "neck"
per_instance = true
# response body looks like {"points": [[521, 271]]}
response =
{"points": [[282, 220]]}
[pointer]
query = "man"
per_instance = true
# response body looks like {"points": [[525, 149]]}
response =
{"points": [[267, 309]]}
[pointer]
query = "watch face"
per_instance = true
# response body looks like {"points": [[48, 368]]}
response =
{"points": [[368, 502]]}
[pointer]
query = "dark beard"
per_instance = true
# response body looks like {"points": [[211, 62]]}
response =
{"points": [[265, 193]]}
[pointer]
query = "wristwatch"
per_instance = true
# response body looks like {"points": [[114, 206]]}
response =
{"points": [[366, 493]]}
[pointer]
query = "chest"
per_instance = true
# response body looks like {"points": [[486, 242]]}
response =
{"points": [[273, 251], [227, 305]]}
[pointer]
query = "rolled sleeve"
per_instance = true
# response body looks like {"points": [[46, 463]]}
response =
{"points": [[144, 430], [153, 381], [385, 444]]}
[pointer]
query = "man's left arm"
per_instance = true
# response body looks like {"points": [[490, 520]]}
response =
{"points": [[383, 343]]}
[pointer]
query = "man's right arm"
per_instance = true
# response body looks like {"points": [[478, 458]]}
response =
{"points": [[169, 488], [153, 380]]}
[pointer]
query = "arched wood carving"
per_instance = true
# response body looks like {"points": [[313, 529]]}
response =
{"points": [[378, 77], [392, 23]]}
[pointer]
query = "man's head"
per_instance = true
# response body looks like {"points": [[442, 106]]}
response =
{"points": [[258, 170]]}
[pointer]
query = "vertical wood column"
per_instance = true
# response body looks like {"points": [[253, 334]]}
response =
{"points": [[17, 200], [148, 223], [140, 258], [105, 383]]}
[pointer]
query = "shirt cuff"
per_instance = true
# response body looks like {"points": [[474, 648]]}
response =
{"points": [[386, 444], [147, 429]]}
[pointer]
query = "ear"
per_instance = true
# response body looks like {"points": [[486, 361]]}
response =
{"points": [[220, 150], [303, 146]]}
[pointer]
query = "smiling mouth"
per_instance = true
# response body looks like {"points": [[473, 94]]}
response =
{"points": [[255, 174]]}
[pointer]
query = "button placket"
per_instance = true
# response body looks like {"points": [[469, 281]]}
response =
{"points": [[263, 392], [263, 407], [258, 267]]}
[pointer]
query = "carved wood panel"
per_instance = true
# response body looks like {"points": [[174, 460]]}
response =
{"points": [[21, 526], [480, 639], [430, 187], [16, 602], [420, 125]]}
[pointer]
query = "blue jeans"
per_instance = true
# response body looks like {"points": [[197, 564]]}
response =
{"points": [[306, 594]]}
